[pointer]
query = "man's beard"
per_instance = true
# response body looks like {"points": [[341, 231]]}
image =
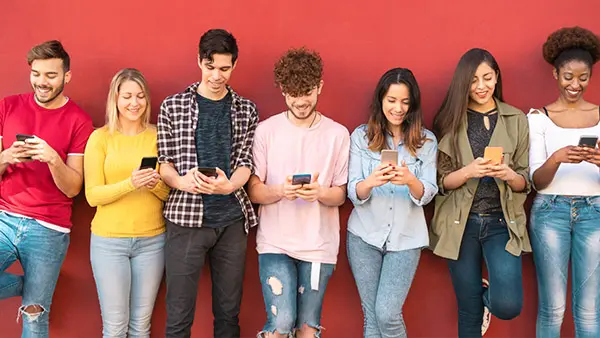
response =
{"points": [[51, 98], [313, 111]]}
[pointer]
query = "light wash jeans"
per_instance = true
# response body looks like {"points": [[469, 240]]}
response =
{"points": [[128, 272], [567, 229], [383, 279], [41, 252], [289, 298]]}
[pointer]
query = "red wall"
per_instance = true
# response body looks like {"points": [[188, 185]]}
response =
{"points": [[358, 41]]}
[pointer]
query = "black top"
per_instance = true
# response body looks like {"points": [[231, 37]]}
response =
{"points": [[213, 149], [487, 196]]}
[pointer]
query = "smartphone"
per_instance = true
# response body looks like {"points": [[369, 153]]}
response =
{"points": [[149, 163], [389, 156], [299, 179], [208, 171], [23, 137], [588, 141], [494, 154]]}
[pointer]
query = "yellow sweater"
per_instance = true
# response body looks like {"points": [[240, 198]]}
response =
{"points": [[122, 210]]}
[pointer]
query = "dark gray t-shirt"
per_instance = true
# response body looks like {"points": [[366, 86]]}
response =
{"points": [[487, 196], [213, 149]]}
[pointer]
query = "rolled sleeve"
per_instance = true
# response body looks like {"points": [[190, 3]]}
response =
{"points": [[427, 176], [355, 166], [246, 151], [521, 156], [165, 142]]}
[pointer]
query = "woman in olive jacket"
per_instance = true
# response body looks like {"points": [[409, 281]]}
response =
{"points": [[479, 215]]}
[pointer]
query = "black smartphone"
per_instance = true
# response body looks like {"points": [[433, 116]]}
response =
{"points": [[149, 163], [588, 141], [299, 179], [208, 171], [23, 137]]}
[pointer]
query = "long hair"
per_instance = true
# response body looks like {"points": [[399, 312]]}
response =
{"points": [[412, 126], [450, 116], [112, 111]]}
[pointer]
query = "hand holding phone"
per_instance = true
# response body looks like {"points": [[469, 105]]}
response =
{"points": [[310, 192], [22, 138], [213, 181], [208, 171], [144, 178]]}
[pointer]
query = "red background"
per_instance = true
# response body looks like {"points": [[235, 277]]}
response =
{"points": [[358, 41]]}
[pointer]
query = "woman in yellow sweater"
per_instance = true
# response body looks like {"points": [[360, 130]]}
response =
{"points": [[128, 236]]}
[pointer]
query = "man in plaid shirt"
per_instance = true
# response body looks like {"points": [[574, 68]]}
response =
{"points": [[205, 137]]}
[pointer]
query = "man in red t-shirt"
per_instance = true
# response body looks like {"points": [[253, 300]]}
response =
{"points": [[42, 136]]}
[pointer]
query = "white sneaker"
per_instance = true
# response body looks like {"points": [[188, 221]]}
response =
{"points": [[487, 316]]}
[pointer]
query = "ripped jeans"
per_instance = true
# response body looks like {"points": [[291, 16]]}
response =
{"points": [[41, 252], [290, 300]]}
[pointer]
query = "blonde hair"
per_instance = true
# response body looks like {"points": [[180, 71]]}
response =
{"points": [[112, 111]]}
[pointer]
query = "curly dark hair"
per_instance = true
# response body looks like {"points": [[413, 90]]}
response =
{"points": [[571, 43], [298, 71]]}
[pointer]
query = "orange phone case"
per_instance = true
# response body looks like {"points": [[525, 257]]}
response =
{"points": [[494, 154]]}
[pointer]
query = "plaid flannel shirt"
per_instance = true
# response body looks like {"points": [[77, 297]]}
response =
{"points": [[177, 122]]}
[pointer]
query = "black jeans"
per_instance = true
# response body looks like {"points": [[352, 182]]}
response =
{"points": [[185, 253], [484, 239]]}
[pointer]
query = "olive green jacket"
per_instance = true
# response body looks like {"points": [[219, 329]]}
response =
{"points": [[452, 207]]}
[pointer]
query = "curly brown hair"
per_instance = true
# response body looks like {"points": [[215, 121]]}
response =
{"points": [[571, 43], [298, 71]]}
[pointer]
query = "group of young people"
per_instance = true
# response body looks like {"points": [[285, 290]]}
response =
{"points": [[215, 160]]}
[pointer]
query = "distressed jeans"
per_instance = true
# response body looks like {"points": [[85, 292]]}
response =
{"points": [[41, 252], [567, 229], [293, 292]]}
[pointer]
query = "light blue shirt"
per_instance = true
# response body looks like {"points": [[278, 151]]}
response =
{"points": [[390, 216]]}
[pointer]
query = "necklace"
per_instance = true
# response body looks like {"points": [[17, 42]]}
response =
{"points": [[287, 115]]}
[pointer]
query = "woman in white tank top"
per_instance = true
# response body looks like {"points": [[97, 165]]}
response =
{"points": [[565, 217]]}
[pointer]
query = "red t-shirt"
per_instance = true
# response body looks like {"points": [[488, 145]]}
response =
{"points": [[28, 188]]}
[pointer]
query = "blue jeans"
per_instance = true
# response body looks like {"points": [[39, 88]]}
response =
{"points": [[289, 298], [484, 239], [41, 252], [564, 228], [128, 272], [383, 279]]}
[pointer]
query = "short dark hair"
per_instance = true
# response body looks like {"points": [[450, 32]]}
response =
{"points": [[571, 43], [50, 50], [298, 71], [217, 41]]}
